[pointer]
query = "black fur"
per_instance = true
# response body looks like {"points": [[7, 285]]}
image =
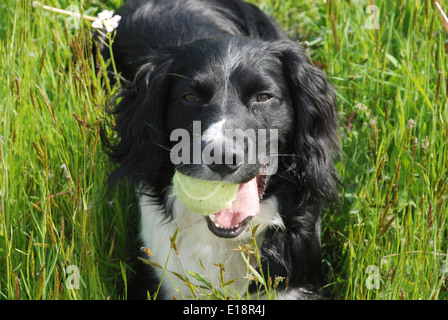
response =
{"points": [[161, 42]]}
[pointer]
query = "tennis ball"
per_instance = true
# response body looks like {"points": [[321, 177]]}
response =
{"points": [[204, 196]]}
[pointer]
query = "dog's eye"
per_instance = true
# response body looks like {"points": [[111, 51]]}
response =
{"points": [[263, 97], [191, 98]]}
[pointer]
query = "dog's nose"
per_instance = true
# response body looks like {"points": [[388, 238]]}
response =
{"points": [[226, 167], [223, 168]]}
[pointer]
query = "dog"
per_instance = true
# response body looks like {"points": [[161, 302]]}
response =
{"points": [[214, 66]]}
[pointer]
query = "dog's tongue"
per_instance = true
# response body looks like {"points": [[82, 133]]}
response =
{"points": [[247, 204]]}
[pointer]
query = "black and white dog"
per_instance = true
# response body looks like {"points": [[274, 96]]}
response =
{"points": [[225, 65]]}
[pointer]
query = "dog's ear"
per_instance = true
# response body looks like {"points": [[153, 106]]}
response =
{"points": [[138, 143], [315, 138]]}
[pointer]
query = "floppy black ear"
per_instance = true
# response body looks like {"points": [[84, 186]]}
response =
{"points": [[316, 140], [138, 146]]}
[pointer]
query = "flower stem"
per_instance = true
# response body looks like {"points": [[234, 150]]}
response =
{"points": [[70, 13]]}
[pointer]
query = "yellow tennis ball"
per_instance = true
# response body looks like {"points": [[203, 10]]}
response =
{"points": [[204, 196]]}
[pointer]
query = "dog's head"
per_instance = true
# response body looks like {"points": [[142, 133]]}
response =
{"points": [[238, 110]]}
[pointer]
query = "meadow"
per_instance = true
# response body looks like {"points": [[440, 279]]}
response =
{"points": [[63, 235]]}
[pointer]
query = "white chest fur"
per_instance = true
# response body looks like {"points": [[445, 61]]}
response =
{"points": [[199, 249]]}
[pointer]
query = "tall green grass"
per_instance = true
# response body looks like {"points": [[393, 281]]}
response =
{"points": [[392, 88], [55, 211]]}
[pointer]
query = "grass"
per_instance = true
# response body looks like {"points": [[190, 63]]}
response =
{"points": [[387, 238]]}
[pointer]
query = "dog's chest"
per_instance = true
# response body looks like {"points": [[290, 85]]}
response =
{"points": [[198, 250]]}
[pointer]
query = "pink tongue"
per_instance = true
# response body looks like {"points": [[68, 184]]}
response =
{"points": [[247, 204]]}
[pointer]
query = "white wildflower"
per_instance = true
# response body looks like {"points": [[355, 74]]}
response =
{"points": [[97, 24], [112, 24], [107, 20], [106, 14], [411, 123]]}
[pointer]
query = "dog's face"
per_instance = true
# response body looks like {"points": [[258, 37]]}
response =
{"points": [[242, 102], [232, 99], [235, 105]]}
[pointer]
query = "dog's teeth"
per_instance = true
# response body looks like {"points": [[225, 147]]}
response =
{"points": [[227, 228], [217, 225]]}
